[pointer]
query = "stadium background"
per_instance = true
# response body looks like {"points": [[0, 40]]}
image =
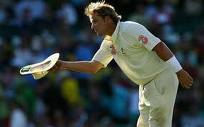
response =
{"points": [[31, 30]]}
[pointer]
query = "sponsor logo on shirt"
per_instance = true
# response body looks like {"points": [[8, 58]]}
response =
{"points": [[143, 38]]}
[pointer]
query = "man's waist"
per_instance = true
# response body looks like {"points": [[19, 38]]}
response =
{"points": [[148, 79]]}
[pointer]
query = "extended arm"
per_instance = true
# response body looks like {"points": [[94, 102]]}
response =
{"points": [[79, 66], [165, 54]]}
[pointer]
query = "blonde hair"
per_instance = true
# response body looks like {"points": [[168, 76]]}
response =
{"points": [[103, 9]]}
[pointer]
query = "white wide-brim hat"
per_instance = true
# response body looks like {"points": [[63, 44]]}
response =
{"points": [[40, 69]]}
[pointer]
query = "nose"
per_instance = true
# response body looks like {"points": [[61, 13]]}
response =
{"points": [[93, 27]]}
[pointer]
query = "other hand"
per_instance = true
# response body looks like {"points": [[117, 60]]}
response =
{"points": [[185, 79]]}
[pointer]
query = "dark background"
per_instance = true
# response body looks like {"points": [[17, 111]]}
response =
{"points": [[31, 30]]}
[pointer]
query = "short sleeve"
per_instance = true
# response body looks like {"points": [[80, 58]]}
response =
{"points": [[103, 55], [142, 35]]}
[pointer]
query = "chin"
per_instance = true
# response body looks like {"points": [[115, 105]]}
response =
{"points": [[99, 34]]}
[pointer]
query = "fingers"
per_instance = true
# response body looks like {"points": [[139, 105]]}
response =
{"points": [[186, 86], [55, 67], [185, 79], [188, 83]]}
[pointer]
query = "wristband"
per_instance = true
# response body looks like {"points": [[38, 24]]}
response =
{"points": [[174, 64]]}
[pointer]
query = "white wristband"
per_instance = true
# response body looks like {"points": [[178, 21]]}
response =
{"points": [[174, 64]]}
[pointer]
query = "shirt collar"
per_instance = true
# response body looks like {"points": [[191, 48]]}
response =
{"points": [[115, 33]]}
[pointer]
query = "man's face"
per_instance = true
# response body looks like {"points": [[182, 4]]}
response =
{"points": [[98, 24]]}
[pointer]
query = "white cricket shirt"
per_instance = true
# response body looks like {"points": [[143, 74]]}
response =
{"points": [[133, 44]]}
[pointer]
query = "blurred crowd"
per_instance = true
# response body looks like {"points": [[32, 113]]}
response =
{"points": [[31, 30]]}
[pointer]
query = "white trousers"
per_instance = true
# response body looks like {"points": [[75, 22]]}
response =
{"points": [[156, 100]]}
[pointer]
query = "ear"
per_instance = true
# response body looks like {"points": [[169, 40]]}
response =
{"points": [[108, 19]]}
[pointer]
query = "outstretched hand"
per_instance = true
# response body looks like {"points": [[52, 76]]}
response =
{"points": [[58, 66], [185, 79]]}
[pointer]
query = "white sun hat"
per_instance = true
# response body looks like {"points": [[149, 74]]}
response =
{"points": [[40, 69]]}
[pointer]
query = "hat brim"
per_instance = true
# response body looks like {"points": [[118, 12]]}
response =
{"points": [[40, 69]]}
